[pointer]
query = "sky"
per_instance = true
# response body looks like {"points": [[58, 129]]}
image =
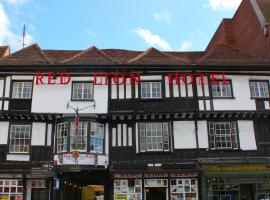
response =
{"points": [[168, 25]]}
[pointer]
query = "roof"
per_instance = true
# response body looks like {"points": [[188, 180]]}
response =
{"points": [[31, 55], [264, 6], [4, 51]]}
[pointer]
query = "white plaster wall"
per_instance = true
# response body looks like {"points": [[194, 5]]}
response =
{"points": [[167, 87], [241, 92], [49, 135], [4, 132], [107, 139], [202, 134], [7, 89], [1, 87], [18, 157], [38, 134], [54, 98], [247, 135], [22, 77], [128, 89], [157, 77], [184, 135]]}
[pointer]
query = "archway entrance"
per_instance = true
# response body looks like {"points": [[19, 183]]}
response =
{"points": [[84, 186]]}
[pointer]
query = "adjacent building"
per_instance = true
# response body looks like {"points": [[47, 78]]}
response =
{"points": [[140, 125]]}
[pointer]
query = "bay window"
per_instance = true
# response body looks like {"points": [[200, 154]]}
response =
{"points": [[154, 136], [96, 137], [78, 142]]}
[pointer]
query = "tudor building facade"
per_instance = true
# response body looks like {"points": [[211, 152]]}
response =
{"points": [[190, 125]]}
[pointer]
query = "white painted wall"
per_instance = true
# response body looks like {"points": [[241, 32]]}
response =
{"points": [[247, 135], [107, 139], [128, 89], [241, 92], [184, 134], [38, 134], [202, 134], [7, 89], [54, 98], [1, 87], [167, 87], [49, 135], [22, 77], [4, 132], [18, 157]]}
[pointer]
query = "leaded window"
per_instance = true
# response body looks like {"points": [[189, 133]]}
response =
{"points": [[82, 91], [223, 135], [78, 141], [259, 89], [22, 90], [150, 90], [62, 136], [222, 89], [11, 189], [19, 138], [97, 137], [154, 136]]}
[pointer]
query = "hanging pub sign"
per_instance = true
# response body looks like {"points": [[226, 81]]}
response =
{"points": [[64, 78]]}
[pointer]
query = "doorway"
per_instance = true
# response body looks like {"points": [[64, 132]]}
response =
{"points": [[156, 193], [247, 192]]}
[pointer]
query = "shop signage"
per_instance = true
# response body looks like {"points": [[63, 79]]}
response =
{"points": [[38, 172], [236, 168], [127, 175], [64, 78], [121, 196], [155, 175], [184, 175], [10, 175]]}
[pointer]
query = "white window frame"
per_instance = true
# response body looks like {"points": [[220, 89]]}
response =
{"points": [[223, 135], [150, 86], [97, 133], [15, 137], [184, 186], [81, 92], [259, 86], [148, 135], [222, 89], [62, 135], [22, 89], [11, 183], [82, 136]]}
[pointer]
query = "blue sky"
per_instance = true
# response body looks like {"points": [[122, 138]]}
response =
{"points": [[174, 25]]}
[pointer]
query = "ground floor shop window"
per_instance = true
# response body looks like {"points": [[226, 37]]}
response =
{"points": [[234, 188], [11, 189], [184, 189], [128, 189]]}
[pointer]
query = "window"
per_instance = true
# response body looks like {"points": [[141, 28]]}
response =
{"points": [[223, 135], [130, 188], [259, 89], [222, 89], [62, 136], [184, 189], [97, 137], [22, 90], [19, 138], [151, 90], [154, 136], [78, 142], [82, 91], [11, 189], [38, 190]]}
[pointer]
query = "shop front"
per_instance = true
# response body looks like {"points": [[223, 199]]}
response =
{"points": [[155, 186], [247, 182]]}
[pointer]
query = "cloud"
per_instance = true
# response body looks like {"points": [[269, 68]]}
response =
{"points": [[185, 46], [152, 39], [16, 2], [224, 4], [7, 36], [91, 33], [163, 16]]}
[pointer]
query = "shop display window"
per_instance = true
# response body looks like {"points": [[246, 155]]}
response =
{"points": [[184, 189], [11, 189], [128, 189]]}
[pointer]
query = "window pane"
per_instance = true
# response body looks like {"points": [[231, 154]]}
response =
{"points": [[97, 137], [19, 138], [22, 90], [82, 91], [259, 89]]}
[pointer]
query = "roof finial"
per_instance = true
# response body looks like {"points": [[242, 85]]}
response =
{"points": [[24, 27]]}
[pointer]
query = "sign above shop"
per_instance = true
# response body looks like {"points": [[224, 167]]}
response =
{"points": [[156, 175], [127, 175], [64, 78], [238, 168]]}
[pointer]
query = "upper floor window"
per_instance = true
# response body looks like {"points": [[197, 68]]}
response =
{"points": [[222, 89], [223, 135], [79, 140], [154, 136], [19, 138], [150, 90], [22, 89], [97, 137], [259, 89], [82, 91]]}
